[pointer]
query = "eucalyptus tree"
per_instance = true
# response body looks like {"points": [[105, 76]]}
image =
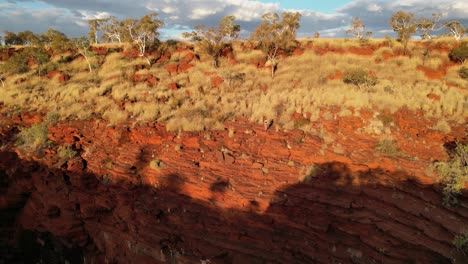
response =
{"points": [[143, 31], [274, 35], [356, 28], [213, 40], [404, 24], [455, 29], [114, 30], [426, 25], [83, 47]]}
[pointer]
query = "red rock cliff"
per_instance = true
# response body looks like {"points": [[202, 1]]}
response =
{"points": [[139, 194]]}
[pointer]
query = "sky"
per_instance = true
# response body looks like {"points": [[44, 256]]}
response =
{"points": [[320, 6], [330, 17]]}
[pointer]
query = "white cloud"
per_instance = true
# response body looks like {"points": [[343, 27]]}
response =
{"points": [[70, 16], [93, 15], [5, 5], [374, 8], [331, 33], [168, 10], [200, 13]]}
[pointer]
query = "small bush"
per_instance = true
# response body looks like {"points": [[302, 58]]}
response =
{"points": [[388, 147], [16, 64], [359, 78], [34, 136], [454, 174], [66, 152], [52, 118], [386, 119], [461, 242], [463, 72], [460, 54], [233, 78], [442, 126]]}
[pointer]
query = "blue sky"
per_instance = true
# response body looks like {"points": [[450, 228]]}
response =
{"points": [[328, 7], [331, 18]]}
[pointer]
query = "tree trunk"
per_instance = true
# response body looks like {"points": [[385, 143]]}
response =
{"points": [[146, 58], [405, 47], [216, 61], [89, 64], [274, 66]]}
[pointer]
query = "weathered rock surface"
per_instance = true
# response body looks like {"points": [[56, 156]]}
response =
{"points": [[140, 194]]}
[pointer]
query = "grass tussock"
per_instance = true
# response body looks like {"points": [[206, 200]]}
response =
{"points": [[388, 147], [454, 173], [66, 152], [34, 136], [189, 100]]}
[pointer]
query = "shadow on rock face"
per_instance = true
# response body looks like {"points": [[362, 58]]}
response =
{"points": [[334, 215]]}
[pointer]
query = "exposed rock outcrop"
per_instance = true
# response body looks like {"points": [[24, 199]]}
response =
{"points": [[140, 194]]}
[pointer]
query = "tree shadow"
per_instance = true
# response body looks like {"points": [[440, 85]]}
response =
{"points": [[335, 215]]}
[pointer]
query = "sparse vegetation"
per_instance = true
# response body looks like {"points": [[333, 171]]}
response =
{"points": [[443, 126], [212, 41], [103, 93], [454, 173], [388, 147], [16, 64], [463, 72], [34, 136], [359, 78], [66, 152], [460, 54], [461, 242], [123, 87]]}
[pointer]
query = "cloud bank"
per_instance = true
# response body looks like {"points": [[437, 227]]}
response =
{"points": [[182, 15]]}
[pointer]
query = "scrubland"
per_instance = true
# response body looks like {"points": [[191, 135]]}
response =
{"points": [[198, 96]]}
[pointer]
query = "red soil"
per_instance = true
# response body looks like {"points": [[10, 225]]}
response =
{"points": [[336, 76], [434, 97], [216, 81], [148, 79], [436, 74], [59, 76], [365, 51]]}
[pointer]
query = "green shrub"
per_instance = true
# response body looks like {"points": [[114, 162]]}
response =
{"points": [[66, 152], [359, 78], [461, 242], [386, 119], [460, 54], [463, 72], [454, 174], [388, 147], [52, 118], [39, 56], [16, 64], [34, 136]]}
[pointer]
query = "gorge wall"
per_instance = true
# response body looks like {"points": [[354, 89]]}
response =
{"points": [[136, 193]]}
